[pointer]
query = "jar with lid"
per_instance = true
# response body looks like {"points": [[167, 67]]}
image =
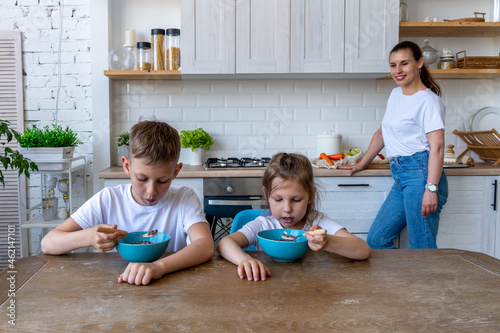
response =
{"points": [[403, 12], [173, 53], [158, 47], [446, 62], [144, 56]]}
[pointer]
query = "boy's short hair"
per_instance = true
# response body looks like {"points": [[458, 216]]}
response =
{"points": [[154, 141]]}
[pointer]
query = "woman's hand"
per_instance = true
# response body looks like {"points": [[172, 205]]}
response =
{"points": [[105, 242], [253, 269], [429, 203], [140, 273]]}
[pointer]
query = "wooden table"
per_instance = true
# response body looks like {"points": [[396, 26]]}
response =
{"points": [[394, 291]]}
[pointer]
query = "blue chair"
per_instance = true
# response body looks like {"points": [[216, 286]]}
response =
{"points": [[243, 218]]}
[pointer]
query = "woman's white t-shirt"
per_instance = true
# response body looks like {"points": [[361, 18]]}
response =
{"points": [[408, 119], [252, 228], [173, 215]]}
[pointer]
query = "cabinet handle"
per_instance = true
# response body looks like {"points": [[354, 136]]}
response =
{"points": [[494, 204], [348, 185]]}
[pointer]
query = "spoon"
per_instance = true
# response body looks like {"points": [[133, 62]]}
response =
{"points": [[107, 230], [292, 238]]}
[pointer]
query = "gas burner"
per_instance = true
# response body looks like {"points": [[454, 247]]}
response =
{"points": [[233, 162]]}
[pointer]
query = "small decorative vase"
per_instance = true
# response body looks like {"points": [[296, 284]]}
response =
{"points": [[122, 151], [195, 157]]}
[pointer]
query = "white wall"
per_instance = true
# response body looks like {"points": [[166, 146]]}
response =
{"points": [[261, 117]]}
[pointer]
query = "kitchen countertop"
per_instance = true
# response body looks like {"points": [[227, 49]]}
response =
{"points": [[191, 171], [443, 290]]}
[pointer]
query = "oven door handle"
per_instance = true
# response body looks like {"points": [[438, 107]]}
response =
{"points": [[216, 202]]}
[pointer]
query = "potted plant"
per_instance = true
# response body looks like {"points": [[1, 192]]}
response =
{"points": [[198, 140], [48, 143], [122, 143], [12, 158]]}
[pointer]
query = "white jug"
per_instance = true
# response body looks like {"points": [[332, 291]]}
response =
{"points": [[328, 143]]}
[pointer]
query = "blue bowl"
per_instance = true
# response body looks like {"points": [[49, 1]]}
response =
{"points": [[287, 251], [142, 252]]}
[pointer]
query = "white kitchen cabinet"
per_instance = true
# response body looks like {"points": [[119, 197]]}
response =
{"points": [[196, 184], [317, 36], [371, 31], [284, 36], [208, 36], [353, 201], [262, 36]]}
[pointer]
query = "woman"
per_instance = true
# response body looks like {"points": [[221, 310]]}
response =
{"points": [[412, 132]]}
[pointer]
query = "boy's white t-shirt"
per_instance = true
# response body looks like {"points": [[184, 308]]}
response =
{"points": [[252, 228], [173, 215], [408, 119]]}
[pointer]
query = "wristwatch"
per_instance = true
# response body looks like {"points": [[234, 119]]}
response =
{"points": [[431, 187]]}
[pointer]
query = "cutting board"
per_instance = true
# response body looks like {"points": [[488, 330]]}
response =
{"points": [[378, 166]]}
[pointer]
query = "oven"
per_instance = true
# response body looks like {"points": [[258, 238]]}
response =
{"points": [[224, 197]]}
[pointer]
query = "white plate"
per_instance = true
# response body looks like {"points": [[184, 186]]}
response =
{"points": [[486, 119]]}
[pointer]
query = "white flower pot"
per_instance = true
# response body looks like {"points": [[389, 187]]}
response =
{"points": [[44, 157], [122, 151], [195, 157]]}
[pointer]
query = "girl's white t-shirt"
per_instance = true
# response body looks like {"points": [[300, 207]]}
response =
{"points": [[173, 215], [408, 119], [252, 228]]}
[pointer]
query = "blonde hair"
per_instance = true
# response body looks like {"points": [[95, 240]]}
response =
{"points": [[293, 167], [155, 141]]}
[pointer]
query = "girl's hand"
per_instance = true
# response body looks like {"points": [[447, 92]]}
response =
{"points": [[253, 269], [429, 203], [105, 242], [317, 238], [140, 273]]}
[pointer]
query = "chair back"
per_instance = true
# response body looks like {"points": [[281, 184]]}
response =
{"points": [[243, 218]]}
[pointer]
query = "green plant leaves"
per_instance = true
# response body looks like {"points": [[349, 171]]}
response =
{"points": [[48, 137], [197, 138], [122, 139]]}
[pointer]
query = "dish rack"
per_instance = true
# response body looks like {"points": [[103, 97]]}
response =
{"points": [[477, 62], [486, 144]]}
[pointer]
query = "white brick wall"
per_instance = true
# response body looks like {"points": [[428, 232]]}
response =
{"points": [[261, 117]]}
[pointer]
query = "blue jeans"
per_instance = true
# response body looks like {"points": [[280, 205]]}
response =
{"points": [[403, 206]]}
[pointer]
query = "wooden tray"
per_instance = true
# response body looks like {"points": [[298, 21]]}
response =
{"points": [[477, 62], [486, 144], [469, 19]]}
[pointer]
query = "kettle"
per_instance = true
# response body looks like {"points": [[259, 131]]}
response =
{"points": [[328, 143]]}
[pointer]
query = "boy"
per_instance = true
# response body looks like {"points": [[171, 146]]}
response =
{"points": [[146, 204]]}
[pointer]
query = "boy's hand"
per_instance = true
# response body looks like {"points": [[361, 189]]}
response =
{"points": [[105, 242], [253, 269], [317, 238], [140, 273]]}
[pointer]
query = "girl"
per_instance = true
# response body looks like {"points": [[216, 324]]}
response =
{"points": [[289, 188], [412, 132]]}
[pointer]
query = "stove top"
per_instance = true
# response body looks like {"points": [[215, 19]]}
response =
{"points": [[233, 162]]}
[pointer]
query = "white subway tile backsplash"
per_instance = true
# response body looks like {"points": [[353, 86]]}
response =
{"points": [[294, 100], [262, 117], [210, 100], [266, 100], [349, 100], [186, 100]]}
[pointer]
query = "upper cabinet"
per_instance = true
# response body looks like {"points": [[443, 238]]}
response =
{"points": [[287, 36], [317, 36], [371, 31]]}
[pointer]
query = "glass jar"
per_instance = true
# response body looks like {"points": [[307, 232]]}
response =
{"points": [[158, 47], [173, 52], [446, 62], [144, 56], [403, 12]]}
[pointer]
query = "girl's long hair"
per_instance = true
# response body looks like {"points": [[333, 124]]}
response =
{"points": [[425, 75]]}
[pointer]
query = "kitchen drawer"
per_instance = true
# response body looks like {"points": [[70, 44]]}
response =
{"points": [[353, 201]]}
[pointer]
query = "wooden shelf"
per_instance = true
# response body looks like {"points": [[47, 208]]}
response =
{"points": [[449, 29], [143, 75], [458, 73]]}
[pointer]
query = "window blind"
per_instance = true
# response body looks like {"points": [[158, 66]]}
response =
{"points": [[11, 109]]}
